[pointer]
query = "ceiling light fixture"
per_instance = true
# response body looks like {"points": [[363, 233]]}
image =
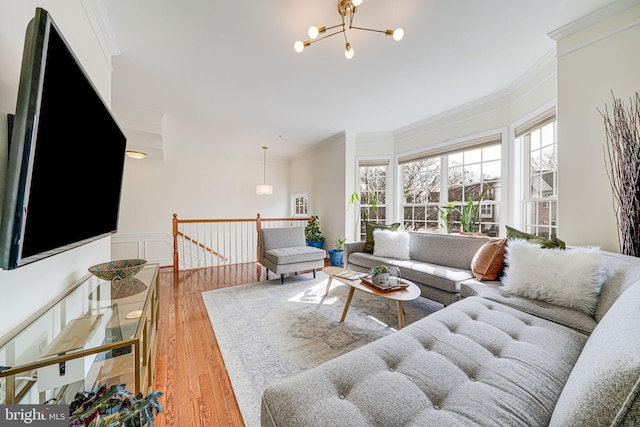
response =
{"points": [[136, 154], [346, 9], [264, 189]]}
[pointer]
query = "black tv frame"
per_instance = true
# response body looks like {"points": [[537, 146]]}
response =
{"points": [[25, 236]]}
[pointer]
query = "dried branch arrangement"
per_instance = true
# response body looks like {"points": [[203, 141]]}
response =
{"points": [[622, 150]]}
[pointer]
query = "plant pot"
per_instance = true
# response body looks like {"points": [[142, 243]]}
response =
{"points": [[472, 233], [335, 257], [315, 243], [380, 279]]}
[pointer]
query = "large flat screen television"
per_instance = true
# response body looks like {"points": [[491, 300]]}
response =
{"points": [[66, 155]]}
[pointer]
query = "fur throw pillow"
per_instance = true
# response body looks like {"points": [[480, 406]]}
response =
{"points": [[570, 278], [391, 244]]}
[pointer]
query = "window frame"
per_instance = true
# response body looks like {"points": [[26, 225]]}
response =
{"points": [[294, 205]]}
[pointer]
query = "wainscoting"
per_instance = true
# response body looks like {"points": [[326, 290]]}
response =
{"points": [[154, 247]]}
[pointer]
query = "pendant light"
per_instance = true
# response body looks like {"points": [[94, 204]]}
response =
{"points": [[264, 189]]}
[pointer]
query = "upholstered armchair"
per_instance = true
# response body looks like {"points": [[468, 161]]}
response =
{"points": [[284, 250]]}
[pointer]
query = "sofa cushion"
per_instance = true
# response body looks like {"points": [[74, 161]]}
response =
{"points": [[604, 386], [391, 244], [445, 249], [494, 291], [294, 255], [437, 276], [476, 362], [488, 262], [552, 242], [571, 278], [370, 227]]}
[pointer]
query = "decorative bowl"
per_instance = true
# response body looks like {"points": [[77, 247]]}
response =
{"points": [[118, 270]]}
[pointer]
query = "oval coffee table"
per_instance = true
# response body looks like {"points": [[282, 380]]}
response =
{"points": [[408, 294]]}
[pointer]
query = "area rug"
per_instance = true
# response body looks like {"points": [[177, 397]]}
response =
{"points": [[267, 331]]}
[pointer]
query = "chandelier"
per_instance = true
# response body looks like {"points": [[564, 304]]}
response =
{"points": [[347, 10]]}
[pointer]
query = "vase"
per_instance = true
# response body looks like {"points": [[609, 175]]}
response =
{"points": [[335, 257], [315, 243]]}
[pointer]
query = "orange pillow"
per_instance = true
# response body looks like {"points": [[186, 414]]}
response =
{"points": [[487, 263]]}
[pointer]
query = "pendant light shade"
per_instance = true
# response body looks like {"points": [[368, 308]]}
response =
{"points": [[264, 189]]}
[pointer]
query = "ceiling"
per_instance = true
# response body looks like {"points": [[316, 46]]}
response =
{"points": [[224, 73]]}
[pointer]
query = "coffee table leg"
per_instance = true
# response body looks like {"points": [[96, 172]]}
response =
{"points": [[346, 305], [400, 314], [326, 292]]}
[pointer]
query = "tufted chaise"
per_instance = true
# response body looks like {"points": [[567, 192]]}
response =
{"points": [[482, 362]]}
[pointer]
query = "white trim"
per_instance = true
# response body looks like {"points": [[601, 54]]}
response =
{"points": [[105, 27], [528, 75], [592, 18], [452, 143], [601, 37], [418, 128]]}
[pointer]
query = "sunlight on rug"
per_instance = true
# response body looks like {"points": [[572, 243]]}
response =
{"points": [[267, 331]]}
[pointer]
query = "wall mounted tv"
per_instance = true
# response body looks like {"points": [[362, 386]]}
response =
{"points": [[66, 155]]}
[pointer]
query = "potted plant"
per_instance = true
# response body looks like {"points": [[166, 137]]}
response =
{"points": [[379, 274], [312, 233], [445, 216], [335, 255], [470, 215], [114, 407]]}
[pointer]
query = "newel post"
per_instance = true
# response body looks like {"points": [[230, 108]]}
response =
{"points": [[258, 226], [175, 243]]}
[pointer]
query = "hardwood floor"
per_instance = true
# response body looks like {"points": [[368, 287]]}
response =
{"points": [[189, 367]]}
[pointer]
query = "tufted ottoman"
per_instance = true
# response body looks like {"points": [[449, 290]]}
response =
{"points": [[477, 362]]}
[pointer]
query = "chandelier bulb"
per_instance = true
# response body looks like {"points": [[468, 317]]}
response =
{"points": [[356, 3], [313, 32], [398, 34], [299, 46], [348, 51]]}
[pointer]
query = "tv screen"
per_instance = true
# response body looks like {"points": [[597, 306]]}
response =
{"points": [[66, 155]]}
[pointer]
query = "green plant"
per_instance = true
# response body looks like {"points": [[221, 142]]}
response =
{"points": [[373, 203], [114, 407], [312, 230], [339, 242], [470, 214], [381, 269], [445, 215]]}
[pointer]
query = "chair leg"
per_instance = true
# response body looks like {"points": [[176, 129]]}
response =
{"points": [[314, 273], [282, 279]]}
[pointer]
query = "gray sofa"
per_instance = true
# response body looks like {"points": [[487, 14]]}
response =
{"points": [[491, 359], [439, 262]]}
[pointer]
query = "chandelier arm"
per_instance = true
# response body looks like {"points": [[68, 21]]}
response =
{"points": [[327, 36], [369, 29]]}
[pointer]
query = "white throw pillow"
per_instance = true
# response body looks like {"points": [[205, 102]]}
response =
{"points": [[570, 278], [391, 244]]}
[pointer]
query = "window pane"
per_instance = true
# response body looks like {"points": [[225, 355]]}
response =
{"points": [[493, 152], [473, 156], [468, 173], [455, 159], [491, 170]]}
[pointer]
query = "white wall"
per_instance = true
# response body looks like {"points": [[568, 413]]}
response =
{"points": [[193, 182], [593, 60], [321, 172], [28, 288]]}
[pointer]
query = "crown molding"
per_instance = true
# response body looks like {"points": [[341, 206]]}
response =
{"points": [[99, 19], [592, 18]]}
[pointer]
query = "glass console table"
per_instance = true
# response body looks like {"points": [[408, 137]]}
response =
{"points": [[98, 332]]}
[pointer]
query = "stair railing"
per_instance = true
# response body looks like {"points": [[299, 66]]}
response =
{"points": [[199, 243]]}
